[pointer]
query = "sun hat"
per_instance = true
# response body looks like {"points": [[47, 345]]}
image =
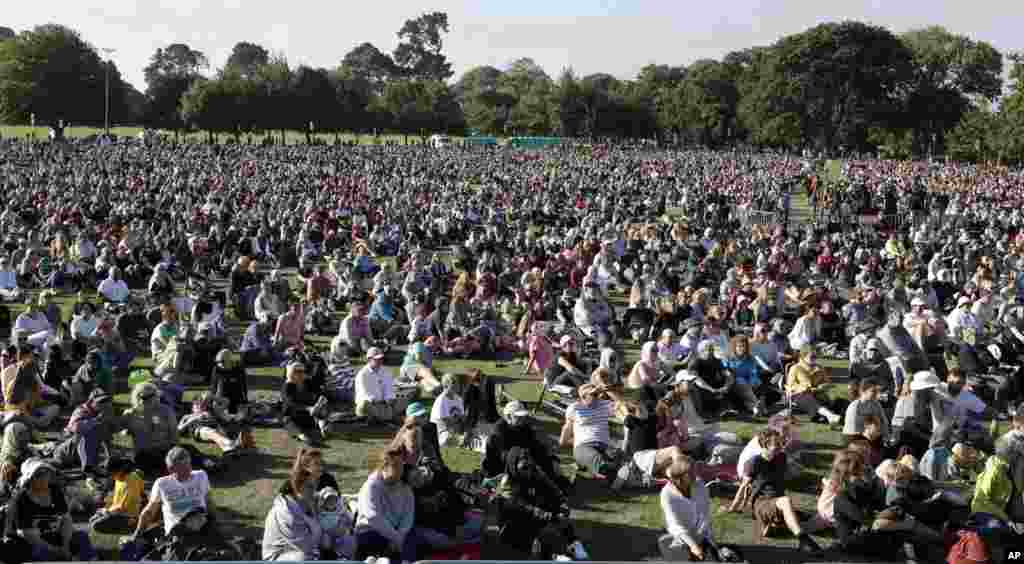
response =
{"points": [[31, 467], [924, 380], [515, 408], [685, 376]]}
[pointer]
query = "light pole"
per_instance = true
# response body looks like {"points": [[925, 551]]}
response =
{"points": [[106, 96]]}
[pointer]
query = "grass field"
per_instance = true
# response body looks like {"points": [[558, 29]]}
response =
{"points": [[613, 525], [293, 137]]}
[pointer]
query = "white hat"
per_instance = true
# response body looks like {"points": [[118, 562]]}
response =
{"points": [[685, 376], [873, 344], [924, 380], [917, 301], [515, 409]]}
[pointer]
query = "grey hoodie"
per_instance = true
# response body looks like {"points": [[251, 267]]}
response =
{"points": [[388, 509], [289, 528]]}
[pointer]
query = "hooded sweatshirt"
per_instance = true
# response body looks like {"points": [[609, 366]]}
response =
{"points": [[387, 509], [289, 528]]}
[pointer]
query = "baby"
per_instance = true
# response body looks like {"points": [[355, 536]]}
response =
{"points": [[336, 522]]}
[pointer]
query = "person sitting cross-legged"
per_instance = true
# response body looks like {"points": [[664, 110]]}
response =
{"points": [[765, 491], [686, 507]]}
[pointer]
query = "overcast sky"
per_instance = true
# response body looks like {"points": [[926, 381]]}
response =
{"points": [[591, 36]]}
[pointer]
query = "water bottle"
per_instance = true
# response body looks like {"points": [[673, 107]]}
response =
{"points": [[578, 552]]}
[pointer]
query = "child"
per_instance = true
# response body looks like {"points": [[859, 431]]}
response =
{"points": [[941, 464], [122, 510], [671, 413], [336, 521], [869, 441]]}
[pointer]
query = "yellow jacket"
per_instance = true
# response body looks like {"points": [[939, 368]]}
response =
{"points": [[803, 378]]}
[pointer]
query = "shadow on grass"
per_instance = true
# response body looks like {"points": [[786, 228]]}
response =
{"points": [[247, 467], [616, 541]]}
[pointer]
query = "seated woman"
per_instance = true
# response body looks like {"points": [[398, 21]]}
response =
{"points": [[114, 289], [43, 518], [568, 368], [686, 508], [292, 531], [32, 326], [9, 290], [304, 409], [161, 283], [765, 491], [417, 368], [268, 305], [586, 431], [847, 465], [648, 371], [387, 513], [960, 463], [229, 382], [805, 386], [920, 499], [23, 390], [746, 371], [449, 414], [170, 356]]}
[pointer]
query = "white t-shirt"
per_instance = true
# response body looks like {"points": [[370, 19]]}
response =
{"points": [[178, 498], [443, 408], [752, 450], [590, 423]]}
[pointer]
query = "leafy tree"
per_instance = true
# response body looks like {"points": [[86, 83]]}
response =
{"points": [[314, 99], [53, 73], [247, 57], [7, 33], [713, 94], [840, 78], [418, 54], [570, 110], [950, 71], [170, 73], [367, 63]]}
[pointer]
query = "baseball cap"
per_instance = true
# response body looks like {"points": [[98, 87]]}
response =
{"points": [[415, 409], [515, 408], [375, 352]]}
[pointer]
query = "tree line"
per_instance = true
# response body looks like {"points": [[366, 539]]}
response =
{"points": [[842, 86]]}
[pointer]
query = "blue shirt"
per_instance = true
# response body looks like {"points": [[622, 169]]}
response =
{"points": [[382, 310], [254, 341], [746, 371]]}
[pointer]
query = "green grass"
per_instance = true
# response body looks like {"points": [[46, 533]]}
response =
{"points": [[613, 525]]}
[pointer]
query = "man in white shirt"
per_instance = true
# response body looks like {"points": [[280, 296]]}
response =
{"points": [[375, 390], [9, 290], [34, 327], [182, 491], [113, 288]]}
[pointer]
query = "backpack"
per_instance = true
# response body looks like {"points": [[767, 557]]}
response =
{"points": [[969, 549]]}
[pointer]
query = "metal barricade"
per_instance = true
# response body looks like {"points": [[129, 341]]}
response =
{"points": [[759, 217]]}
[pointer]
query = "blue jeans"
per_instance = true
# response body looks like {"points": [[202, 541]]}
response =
{"points": [[81, 549], [372, 543]]}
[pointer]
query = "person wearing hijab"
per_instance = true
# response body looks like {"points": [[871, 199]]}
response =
{"points": [[648, 371]]}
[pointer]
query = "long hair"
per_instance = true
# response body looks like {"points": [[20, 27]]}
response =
{"points": [[846, 466], [680, 475], [734, 345], [299, 475]]}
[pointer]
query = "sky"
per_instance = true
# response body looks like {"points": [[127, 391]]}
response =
{"points": [[617, 38]]}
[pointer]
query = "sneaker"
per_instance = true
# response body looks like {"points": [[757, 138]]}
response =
{"points": [[808, 545], [622, 477], [324, 426]]}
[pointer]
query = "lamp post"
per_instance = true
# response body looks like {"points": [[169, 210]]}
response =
{"points": [[106, 96]]}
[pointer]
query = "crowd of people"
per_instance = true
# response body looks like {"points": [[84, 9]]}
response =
{"points": [[213, 259]]}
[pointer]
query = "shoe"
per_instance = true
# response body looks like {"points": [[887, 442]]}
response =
{"points": [[621, 477], [808, 545], [324, 425], [730, 412]]}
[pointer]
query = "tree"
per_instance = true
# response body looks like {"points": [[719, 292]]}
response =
{"points": [[366, 62], [713, 95], [53, 73], [170, 73], [950, 71], [7, 33], [570, 110], [246, 57], [314, 100], [846, 76], [418, 54]]}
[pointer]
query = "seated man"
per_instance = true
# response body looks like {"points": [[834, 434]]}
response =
{"points": [[177, 494], [153, 427], [291, 327], [34, 327], [375, 390], [114, 289], [257, 348], [355, 330], [9, 290], [514, 430]]}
